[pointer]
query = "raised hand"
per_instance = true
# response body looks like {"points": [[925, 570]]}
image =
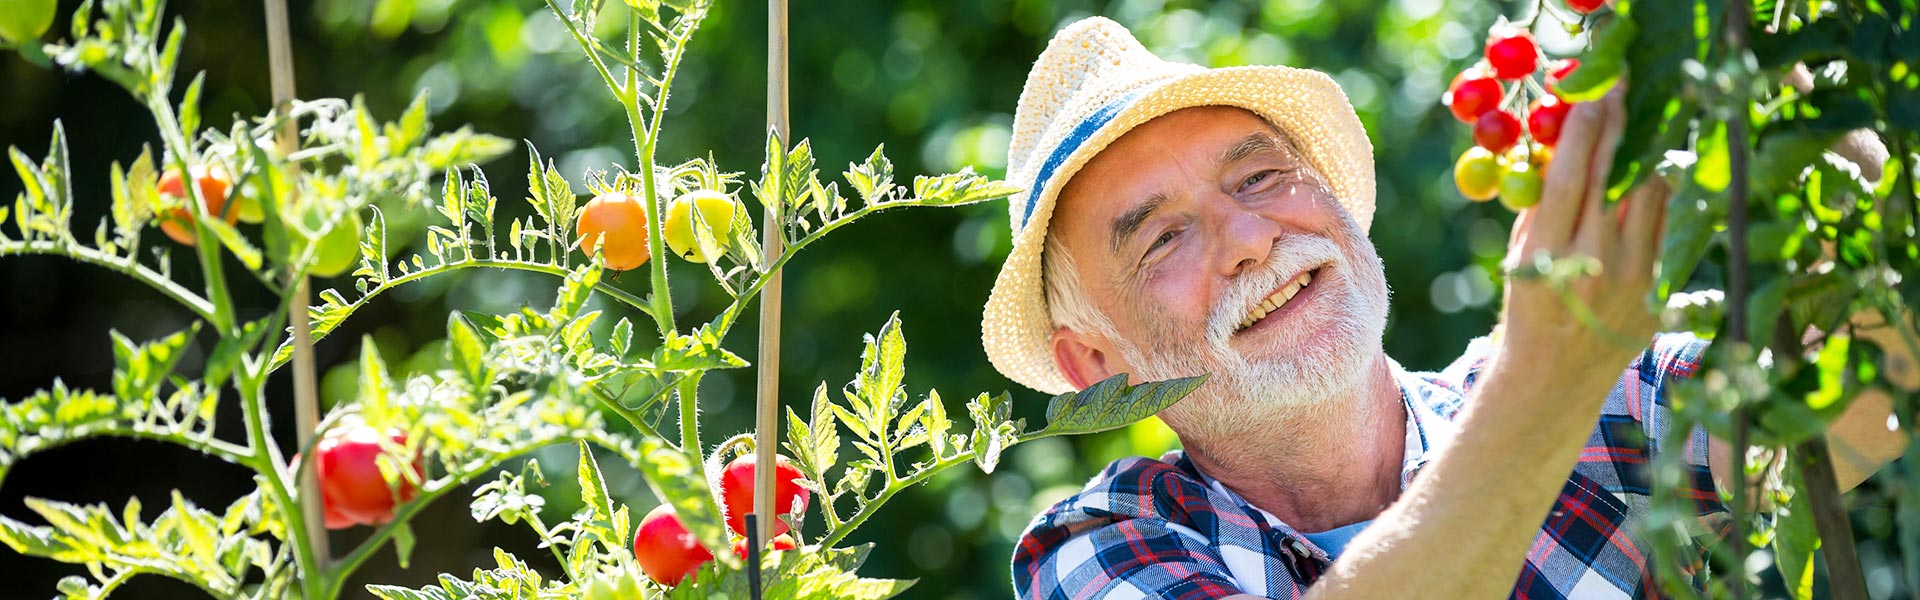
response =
{"points": [[1581, 270]]}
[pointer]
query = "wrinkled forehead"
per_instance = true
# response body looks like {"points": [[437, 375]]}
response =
{"points": [[1205, 136]]}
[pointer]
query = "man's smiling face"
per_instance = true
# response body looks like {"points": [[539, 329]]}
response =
{"points": [[1203, 241]]}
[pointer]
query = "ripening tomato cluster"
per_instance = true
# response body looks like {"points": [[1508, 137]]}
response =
{"points": [[336, 250], [1516, 120], [617, 223], [668, 553]]}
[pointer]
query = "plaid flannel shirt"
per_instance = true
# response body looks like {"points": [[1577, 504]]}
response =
{"points": [[1161, 529]]}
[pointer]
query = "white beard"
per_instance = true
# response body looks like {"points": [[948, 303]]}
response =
{"points": [[1288, 375]]}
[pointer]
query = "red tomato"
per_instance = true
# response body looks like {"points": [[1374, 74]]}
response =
{"points": [[1473, 93], [667, 552], [1545, 118], [212, 186], [1497, 130], [1585, 6], [622, 220], [736, 492], [779, 543], [1513, 54], [350, 481]]}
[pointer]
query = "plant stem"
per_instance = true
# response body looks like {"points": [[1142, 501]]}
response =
{"points": [[1845, 579], [266, 460], [603, 287], [631, 417], [724, 322], [689, 415], [1736, 330], [893, 487], [127, 265]]}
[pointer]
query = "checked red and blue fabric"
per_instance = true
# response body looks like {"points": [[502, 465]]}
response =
{"points": [[1149, 528]]}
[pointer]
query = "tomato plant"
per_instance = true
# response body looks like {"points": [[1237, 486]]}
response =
{"points": [[515, 382], [1788, 133]]}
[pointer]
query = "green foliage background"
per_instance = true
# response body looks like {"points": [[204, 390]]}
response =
{"points": [[935, 81]]}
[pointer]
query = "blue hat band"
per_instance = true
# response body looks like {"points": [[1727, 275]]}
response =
{"points": [[1076, 138]]}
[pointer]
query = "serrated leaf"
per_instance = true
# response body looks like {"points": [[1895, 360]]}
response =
{"points": [[593, 488], [695, 352], [622, 337], [1795, 538], [872, 179], [676, 479], [1111, 404], [993, 432]]}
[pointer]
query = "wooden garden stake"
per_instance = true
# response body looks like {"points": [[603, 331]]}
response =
{"points": [[766, 425], [305, 391]]}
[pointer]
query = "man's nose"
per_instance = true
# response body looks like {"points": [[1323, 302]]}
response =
{"points": [[1247, 237]]}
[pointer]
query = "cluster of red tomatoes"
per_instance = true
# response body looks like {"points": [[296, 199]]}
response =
{"points": [[618, 223], [1496, 96], [668, 553], [353, 492]]}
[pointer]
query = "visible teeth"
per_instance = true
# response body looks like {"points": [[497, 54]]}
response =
{"points": [[1277, 300]]}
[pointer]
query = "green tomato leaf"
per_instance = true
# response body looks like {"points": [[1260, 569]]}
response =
{"points": [[814, 443], [1603, 65], [993, 429], [1112, 404], [403, 542], [676, 479], [1795, 538], [699, 351], [872, 179], [593, 488]]}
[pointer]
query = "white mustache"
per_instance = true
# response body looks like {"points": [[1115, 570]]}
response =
{"points": [[1289, 256]]}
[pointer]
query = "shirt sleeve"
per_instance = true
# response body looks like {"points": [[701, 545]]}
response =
{"points": [[1134, 558]]}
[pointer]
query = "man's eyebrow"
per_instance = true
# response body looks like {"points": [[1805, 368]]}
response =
{"points": [[1130, 221], [1255, 143]]}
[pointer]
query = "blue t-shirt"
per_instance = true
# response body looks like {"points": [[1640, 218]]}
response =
{"points": [[1335, 540]]}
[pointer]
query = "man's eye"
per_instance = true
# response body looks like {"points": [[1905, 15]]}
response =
{"points": [[1161, 241], [1254, 179]]}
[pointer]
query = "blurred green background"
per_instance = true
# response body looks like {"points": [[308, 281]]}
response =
{"points": [[935, 81]]}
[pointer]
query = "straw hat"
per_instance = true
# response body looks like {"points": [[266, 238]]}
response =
{"points": [[1093, 84]]}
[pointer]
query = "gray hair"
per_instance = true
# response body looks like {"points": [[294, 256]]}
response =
{"points": [[1068, 304]]}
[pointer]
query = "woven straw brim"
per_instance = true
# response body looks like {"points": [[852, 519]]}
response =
{"points": [[1310, 107]]}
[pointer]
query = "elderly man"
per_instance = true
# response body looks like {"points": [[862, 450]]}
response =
{"points": [[1182, 220]]}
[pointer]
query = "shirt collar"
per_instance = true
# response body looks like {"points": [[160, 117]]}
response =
{"points": [[1427, 431]]}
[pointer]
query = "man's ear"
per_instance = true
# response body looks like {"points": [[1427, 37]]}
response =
{"points": [[1082, 359]]}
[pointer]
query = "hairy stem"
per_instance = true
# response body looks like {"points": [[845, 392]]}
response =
{"points": [[127, 265]]}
